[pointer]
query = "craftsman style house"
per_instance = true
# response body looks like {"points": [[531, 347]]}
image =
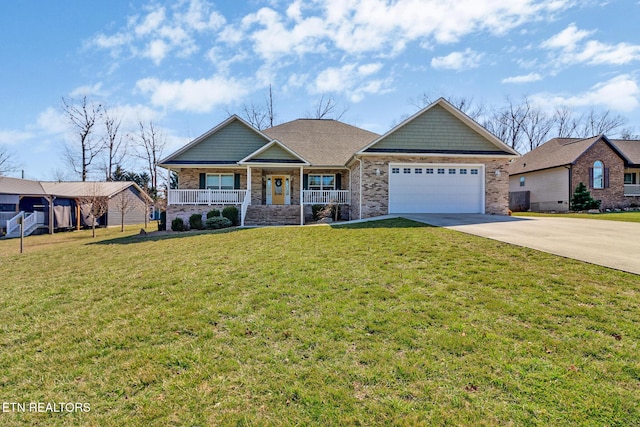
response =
{"points": [[438, 160]]}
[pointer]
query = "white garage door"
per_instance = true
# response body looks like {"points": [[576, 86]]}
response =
{"points": [[436, 188]]}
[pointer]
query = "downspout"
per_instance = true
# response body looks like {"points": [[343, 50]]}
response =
{"points": [[360, 190], [570, 185]]}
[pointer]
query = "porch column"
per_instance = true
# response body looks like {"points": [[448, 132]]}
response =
{"points": [[248, 184], [51, 218], [301, 196]]}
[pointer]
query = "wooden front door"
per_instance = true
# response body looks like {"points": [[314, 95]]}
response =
{"points": [[278, 188]]}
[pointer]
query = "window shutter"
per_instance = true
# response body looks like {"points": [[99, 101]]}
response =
{"points": [[305, 181], [236, 181], [338, 181], [203, 180], [606, 177], [590, 177]]}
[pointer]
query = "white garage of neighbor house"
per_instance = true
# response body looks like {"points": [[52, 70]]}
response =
{"points": [[437, 161]]}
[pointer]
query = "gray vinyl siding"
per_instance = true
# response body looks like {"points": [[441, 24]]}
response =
{"points": [[274, 152], [134, 216], [435, 129], [232, 143]]}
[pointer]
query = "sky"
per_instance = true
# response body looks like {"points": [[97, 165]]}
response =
{"points": [[187, 64]]}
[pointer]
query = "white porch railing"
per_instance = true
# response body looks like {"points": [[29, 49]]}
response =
{"points": [[631, 190], [325, 197], [206, 197], [28, 222], [243, 208]]}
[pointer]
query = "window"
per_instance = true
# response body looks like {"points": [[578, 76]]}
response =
{"points": [[418, 170], [630, 178], [452, 171], [322, 182], [598, 174], [463, 171], [407, 170], [395, 170], [440, 171], [522, 181], [474, 171], [7, 207], [219, 181], [429, 170]]}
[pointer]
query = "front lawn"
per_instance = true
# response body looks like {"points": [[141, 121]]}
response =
{"points": [[381, 323], [632, 216]]}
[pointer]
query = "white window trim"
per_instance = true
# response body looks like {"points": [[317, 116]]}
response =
{"points": [[322, 186], [219, 175]]}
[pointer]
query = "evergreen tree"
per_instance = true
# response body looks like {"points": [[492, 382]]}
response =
{"points": [[582, 200]]}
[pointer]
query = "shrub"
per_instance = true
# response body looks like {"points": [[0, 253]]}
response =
{"points": [[315, 210], [213, 213], [582, 200], [231, 213], [218, 222], [195, 222], [177, 224]]}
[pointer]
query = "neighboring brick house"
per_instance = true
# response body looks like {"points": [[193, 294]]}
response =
{"points": [[438, 160], [609, 168]]}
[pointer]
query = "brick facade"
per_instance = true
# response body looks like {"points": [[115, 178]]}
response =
{"points": [[375, 188], [612, 196]]}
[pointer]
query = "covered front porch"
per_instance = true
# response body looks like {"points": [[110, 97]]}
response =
{"points": [[286, 192]]}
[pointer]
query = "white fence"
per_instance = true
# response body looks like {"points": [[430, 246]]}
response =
{"points": [[325, 197], [206, 197]]}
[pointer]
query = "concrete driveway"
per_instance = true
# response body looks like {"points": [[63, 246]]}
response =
{"points": [[612, 244]]}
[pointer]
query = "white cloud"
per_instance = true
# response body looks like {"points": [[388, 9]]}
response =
{"points": [[458, 61], [157, 50], [11, 137], [570, 47], [151, 22], [52, 121], [193, 95], [621, 93], [527, 78], [88, 90], [350, 79]]}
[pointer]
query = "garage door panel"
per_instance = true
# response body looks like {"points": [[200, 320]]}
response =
{"points": [[436, 193]]}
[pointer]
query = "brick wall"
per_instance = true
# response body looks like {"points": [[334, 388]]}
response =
{"points": [[375, 188], [613, 196]]}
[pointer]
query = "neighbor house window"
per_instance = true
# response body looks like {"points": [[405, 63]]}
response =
{"points": [[522, 181], [598, 174], [322, 182], [629, 178], [7, 207], [219, 181]]}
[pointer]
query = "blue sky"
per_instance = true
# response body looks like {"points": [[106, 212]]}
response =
{"points": [[184, 64]]}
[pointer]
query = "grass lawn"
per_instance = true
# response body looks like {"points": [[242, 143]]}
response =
{"points": [[633, 216], [389, 323]]}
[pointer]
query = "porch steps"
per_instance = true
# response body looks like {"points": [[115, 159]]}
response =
{"points": [[272, 215]]}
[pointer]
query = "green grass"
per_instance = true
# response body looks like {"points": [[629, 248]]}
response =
{"points": [[386, 323], [632, 216]]}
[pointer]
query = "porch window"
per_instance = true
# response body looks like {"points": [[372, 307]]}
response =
{"points": [[219, 181], [322, 182], [598, 174], [630, 178], [8, 207]]}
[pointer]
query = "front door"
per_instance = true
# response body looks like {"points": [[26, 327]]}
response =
{"points": [[278, 187]]}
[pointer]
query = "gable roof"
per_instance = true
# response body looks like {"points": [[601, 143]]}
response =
{"points": [[19, 186], [566, 151], [321, 142], [439, 128], [629, 148], [274, 152], [26, 187], [227, 143]]}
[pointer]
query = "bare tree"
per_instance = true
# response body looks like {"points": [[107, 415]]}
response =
{"points": [[326, 108], [473, 109], [115, 145], [82, 117], [124, 203], [259, 116], [537, 126], [150, 143], [508, 123], [7, 161], [95, 205], [565, 122], [596, 123]]}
